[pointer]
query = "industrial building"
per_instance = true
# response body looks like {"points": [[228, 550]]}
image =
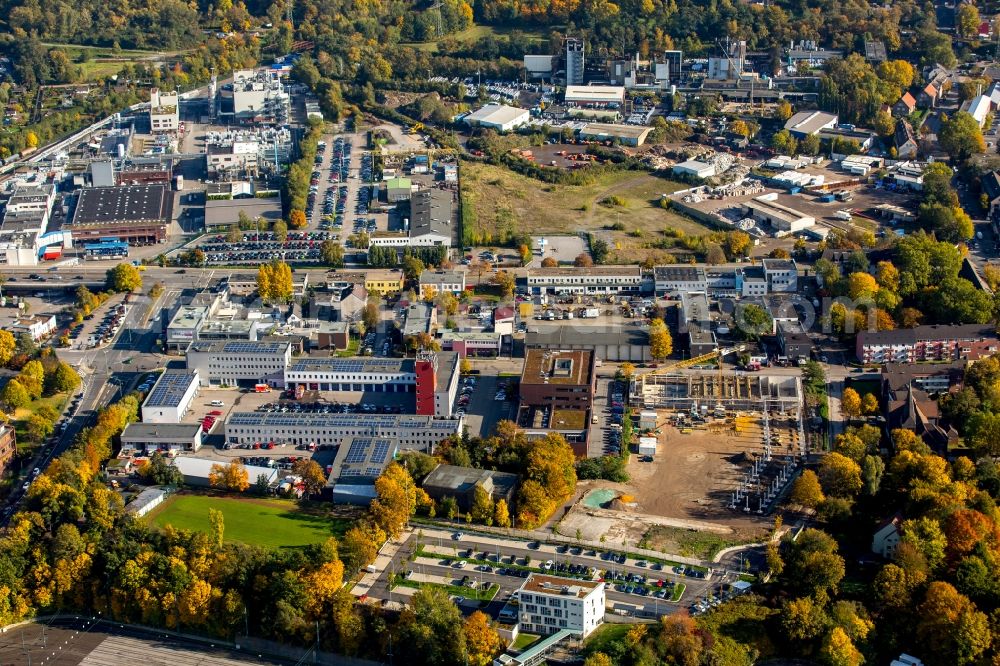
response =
{"points": [[171, 396], [806, 123], [164, 111], [24, 240], [437, 378], [460, 483], [398, 189], [783, 219], [694, 168], [549, 604], [432, 218], [168, 438], [590, 280], [358, 462], [608, 343], [595, 96], [137, 214], [574, 60], [197, 471], [562, 379], [256, 96], [239, 363], [498, 117], [626, 135], [413, 432], [384, 282]]}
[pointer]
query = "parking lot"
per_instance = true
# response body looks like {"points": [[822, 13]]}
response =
{"points": [[299, 246], [480, 405], [634, 586]]}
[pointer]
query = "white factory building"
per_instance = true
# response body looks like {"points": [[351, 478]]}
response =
{"points": [[413, 432], [164, 114], [548, 604], [694, 168], [595, 95], [766, 210], [171, 396], [221, 363], [498, 117]]}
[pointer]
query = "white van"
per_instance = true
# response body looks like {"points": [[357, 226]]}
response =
{"points": [[217, 403]]}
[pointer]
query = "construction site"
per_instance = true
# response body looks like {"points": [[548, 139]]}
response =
{"points": [[715, 451]]}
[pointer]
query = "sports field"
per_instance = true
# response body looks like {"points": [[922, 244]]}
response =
{"points": [[272, 523]]}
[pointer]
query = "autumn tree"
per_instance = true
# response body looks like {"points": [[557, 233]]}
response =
{"points": [[8, 344], [850, 403], [583, 260], [14, 395], [312, 475], [231, 476], [297, 219], [806, 490], [501, 514], [482, 508], [869, 404], [951, 623], [124, 278], [505, 281], [661, 345], [482, 640], [839, 475], [839, 650], [395, 500], [549, 262]]}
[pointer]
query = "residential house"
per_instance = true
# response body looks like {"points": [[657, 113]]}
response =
{"points": [[905, 141], [991, 188], [886, 538], [904, 106], [434, 282]]}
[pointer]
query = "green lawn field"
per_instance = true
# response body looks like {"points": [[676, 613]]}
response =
{"points": [[264, 522]]}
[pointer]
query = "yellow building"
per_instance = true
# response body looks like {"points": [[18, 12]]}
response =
{"points": [[383, 281]]}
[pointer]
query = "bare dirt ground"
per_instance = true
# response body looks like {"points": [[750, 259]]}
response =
{"points": [[687, 487]]}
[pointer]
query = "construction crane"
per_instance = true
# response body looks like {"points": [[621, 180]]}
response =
{"points": [[720, 354]]}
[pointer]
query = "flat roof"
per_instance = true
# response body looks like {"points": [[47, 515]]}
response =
{"points": [[381, 422], [616, 130], [462, 479], [498, 114], [366, 364], [227, 211], [170, 388], [202, 467], [250, 347], [595, 93], [124, 204], [145, 432], [583, 334], [778, 264], [576, 271], [555, 585], [550, 366], [679, 272], [432, 277], [694, 165], [774, 209]]}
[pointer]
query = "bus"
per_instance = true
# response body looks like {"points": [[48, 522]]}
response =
{"points": [[262, 388], [106, 249]]}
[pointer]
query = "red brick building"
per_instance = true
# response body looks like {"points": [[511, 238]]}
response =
{"points": [[561, 379], [8, 447]]}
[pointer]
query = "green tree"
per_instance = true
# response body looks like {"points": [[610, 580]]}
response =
{"points": [[967, 20], [124, 278], [961, 136], [63, 379], [332, 253], [753, 321], [783, 142], [839, 475], [38, 428], [280, 231], [482, 505]]}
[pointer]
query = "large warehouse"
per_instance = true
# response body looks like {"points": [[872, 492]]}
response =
{"points": [[626, 135], [782, 219], [138, 214], [498, 117], [413, 432], [595, 95]]}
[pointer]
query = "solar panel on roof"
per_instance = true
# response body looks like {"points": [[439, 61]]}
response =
{"points": [[380, 452], [358, 452]]}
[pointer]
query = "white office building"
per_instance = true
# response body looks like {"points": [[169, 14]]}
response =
{"points": [[384, 375], [548, 604], [593, 280], [232, 363], [413, 432], [171, 397]]}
